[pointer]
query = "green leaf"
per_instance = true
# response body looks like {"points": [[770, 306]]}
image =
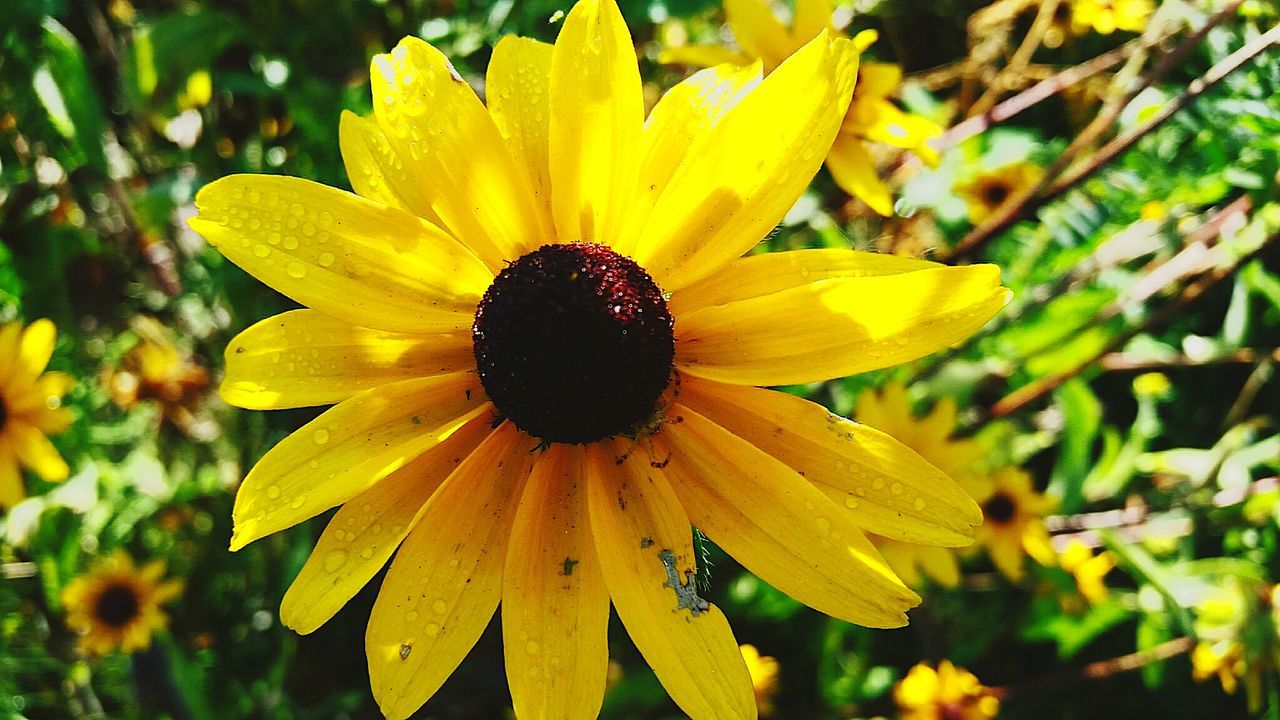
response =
{"points": [[70, 97]]}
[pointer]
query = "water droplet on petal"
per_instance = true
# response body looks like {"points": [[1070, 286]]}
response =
{"points": [[321, 436], [334, 560]]}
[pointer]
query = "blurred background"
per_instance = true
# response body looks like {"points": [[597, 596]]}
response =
{"points": [[1118, 159]]}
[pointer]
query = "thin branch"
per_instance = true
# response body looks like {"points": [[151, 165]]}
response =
{"points": [[1120, 362], [1033, 198], [1034, 391], [1101, 669]]}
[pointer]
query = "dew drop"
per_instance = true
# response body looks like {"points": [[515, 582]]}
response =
{"points": [[334, 560], [439, 607], [896, 488], [431, 629], [824, 527], [851, 502], [298, 502], [411, 616], [325, 260], [877, 484], [321, 436], [366, 553], [261, 250], [532, 647], [919, 503], [290, 243], [273, 492], [296, 270]]}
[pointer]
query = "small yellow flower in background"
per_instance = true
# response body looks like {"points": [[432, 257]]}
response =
{"points": [[156, 369], [1088, 569], [948, 693], [1223, 659], [116, 605], [871, 116], [764, 677], [989, 191], [1013, 522], [30, 408], [889, 411], [1108, 16], [547, 361]]}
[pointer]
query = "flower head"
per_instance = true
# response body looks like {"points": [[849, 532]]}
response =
{"points": [[1108, 16], [116, 605], [764, 677], [1013, 522], [1088, 569], [871, 116], [545, 352], [947, 693], [156, 369], [30, 408], [990, 191]]}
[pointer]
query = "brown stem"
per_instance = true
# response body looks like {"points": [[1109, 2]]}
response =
{"points": [[1032, 392], [1021, 56], [1101, 669], [1031, 199], [1120, 362]]}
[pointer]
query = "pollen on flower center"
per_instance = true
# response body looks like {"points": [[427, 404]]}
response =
{"points": [[574, 343], [117, 605], [999, 509]]}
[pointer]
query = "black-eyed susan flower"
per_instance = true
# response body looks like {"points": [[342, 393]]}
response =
{"points": [[1088, 569], [871, 116], [117, 605], [157, 369], [889, 411], [988, 192], [30, 408], [1108, 16], [764, 677], [545, 355], [1013, 522], [947, 693]]}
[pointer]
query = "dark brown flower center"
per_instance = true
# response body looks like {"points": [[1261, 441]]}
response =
{"points": [[1000, 508], [574, 343], [995, 194], [117, 605]]}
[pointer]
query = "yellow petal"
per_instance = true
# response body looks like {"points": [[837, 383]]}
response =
{"points": [[350, 447], [10, 334], [878, 80], [368, 528], [303, 357], [779, 526], [597, 111], [645, 546], [1005, 550], [941, 565], [735, 184], [11, 488], [702, 56], [811, 18], [555, 607], [838, 327], [35, 348], [36, 452], [682, 116], [883, 486], [518, 91], [854, 171], [765, 273], [445, 581], [434, 120], [901, 558], [377, 173], [899, 129], [759, 31], [350, 258]]}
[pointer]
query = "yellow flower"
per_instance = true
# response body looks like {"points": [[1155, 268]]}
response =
{"points": [[1088, 569], [30, 408], [1225, 659], [991, 190], [155, 369], [546, 357], [889, 411], [116, 605], [1013, 522], [1107, 16], [948, 693], [870, 117], [764, 677]]}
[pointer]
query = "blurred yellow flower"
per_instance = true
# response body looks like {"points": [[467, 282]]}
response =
{"points": [[1224, 659], [1088, 569], [989, 191], [494, 314], [30, 408], [871, 116], [948, 693], [156, 369], [764, 677], [1013, 522], [1107, 16], [116, 605], [889, 411]]}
